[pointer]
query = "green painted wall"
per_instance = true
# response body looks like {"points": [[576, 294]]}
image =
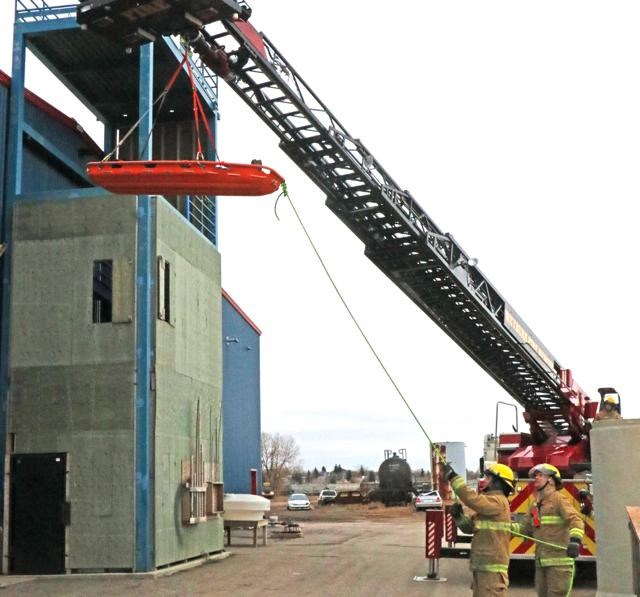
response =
{"points": [[72, 380], [188, 371]]}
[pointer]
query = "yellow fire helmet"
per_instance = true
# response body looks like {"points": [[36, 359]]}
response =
{"points": [[502, 472], [610, 400], [549, 470]]}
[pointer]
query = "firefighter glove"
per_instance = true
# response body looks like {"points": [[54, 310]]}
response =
{"points": [[449, 473], [456, 510], [573, 549]]}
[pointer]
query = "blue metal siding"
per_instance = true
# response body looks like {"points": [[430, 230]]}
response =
{"points": [[40, 174], [240, 401], [45, 168], [4, 115], [42, 168]]}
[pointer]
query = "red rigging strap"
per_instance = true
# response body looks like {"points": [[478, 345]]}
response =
{"points": [[198, 110], [187, 177]]}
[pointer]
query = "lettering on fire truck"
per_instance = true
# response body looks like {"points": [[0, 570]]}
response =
{"points": [[523, 334]]}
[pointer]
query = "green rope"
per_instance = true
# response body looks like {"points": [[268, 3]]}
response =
{"points": [[538, 540], [573, 565], [573, 576], [285, 193]]}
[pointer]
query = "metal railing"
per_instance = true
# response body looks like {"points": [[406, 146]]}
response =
{"points": [[201, 214], [206, 81], [32, 11]]}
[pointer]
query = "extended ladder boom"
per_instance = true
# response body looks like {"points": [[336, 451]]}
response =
{"points": [[399, 237]]}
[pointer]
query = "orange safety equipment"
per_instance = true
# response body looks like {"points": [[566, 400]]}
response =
{"points": [[185, 177], [549, 470], [535, 516]]}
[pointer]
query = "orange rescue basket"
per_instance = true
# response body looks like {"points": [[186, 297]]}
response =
{"points": [[185, 177]]}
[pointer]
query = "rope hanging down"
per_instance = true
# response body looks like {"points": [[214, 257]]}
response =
{"points": [[285, 193]]}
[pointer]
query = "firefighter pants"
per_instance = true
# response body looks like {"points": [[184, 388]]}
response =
{"points": [[486, 584], [553, 581]]}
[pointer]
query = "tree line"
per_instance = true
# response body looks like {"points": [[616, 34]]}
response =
{"points": [[281, 460]]}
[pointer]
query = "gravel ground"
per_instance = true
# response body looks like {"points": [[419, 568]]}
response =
{"points": [[350, 551]]}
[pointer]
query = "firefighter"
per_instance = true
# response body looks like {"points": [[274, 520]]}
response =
{"points": [[608, 410], [554, 520], [490, 525]]}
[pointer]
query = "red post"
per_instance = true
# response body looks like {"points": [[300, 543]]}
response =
{"points": [[254, 481], [450, 529], [434, 531]]}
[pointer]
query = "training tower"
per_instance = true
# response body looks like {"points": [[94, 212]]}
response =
{"points": [[112, 314]]}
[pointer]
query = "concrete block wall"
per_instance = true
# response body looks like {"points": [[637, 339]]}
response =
{"points": [[615, 459], [188, 373], [72, 385]]}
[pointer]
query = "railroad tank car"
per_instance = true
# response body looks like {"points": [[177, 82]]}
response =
{"points": [[396, 481]]}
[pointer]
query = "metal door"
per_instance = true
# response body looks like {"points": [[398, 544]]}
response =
{"points": [[37, 514]]}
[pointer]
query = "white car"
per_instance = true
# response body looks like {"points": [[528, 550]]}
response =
{"points": [[327, 496], [428, 499], [298, 501]]}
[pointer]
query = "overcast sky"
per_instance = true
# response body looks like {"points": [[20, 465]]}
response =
{"points": [[516, 126]]}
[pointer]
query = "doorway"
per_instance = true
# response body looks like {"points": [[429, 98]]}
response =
{"points": [[37, 514]]}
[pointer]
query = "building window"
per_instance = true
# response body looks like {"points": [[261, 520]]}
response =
{"points": [[102, 290], [164, 290], [167, 291]]}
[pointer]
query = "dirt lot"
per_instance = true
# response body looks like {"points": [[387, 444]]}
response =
{"points": [[373, 512], [350, 551]]}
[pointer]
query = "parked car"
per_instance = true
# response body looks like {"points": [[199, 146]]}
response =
{"points": [[298, 501], [428, 499], [327, 496], [350, 496], [267, 490]]}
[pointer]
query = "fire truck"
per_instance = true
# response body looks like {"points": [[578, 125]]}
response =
{"points": [[399, 237]]}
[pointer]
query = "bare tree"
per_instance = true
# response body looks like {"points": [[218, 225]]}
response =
{"points": [[280, 454]]}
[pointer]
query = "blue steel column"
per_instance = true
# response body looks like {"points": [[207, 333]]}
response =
{"points": [[144, 348], [12, 189]]}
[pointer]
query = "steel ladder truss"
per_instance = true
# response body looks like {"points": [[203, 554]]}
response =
{"points": [[399, 237]]}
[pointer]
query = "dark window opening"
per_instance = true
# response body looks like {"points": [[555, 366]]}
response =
{"points": [[102, 290]]}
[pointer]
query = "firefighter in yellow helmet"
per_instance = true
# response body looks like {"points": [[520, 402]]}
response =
{"points": [[552, 519], [608, 410], [490, 524]]}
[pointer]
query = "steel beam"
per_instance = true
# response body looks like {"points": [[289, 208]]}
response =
{"points": [[144, 347], [13, 184]]}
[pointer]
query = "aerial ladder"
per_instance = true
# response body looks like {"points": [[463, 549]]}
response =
{"points": [[399, 237]]}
